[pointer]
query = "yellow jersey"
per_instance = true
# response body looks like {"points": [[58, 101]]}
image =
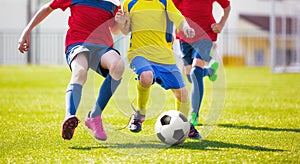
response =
{"points": [[148, 29]]}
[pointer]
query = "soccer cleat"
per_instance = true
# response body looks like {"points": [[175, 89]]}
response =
{"points": [[213, 76], [68, 127], [194, 119], [194, 134], [135, 124], [95, 124]]}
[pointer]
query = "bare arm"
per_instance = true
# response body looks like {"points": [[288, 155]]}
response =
{"points": [[120, 21], [217, 27], [24, 41], [127, 28]]}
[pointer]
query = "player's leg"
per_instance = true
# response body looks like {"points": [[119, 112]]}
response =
{"points": [[187, 70], [201, 55], [79, 67], [143, 69], [175, 82], [182, 100], [143, 88], [112, 62], [211, 69], [182, 104], [197, 91], [187, 59], [143, 93]]}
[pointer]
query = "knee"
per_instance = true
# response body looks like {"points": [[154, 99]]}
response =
{"points": [[79, 75], [198, 63], [146, 79], [117, 69]]}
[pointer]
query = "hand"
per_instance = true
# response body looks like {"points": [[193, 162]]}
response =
{"points": [[216, 27], [121, 16], [189, 32], [24, 42]]}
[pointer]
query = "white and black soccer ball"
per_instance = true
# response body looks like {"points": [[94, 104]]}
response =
{"points": [[172, 127]]}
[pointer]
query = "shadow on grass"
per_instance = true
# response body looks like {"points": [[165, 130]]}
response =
{"points": [[218, 145], [259, 128], [189, 144], [87, 147], [150, 145]]}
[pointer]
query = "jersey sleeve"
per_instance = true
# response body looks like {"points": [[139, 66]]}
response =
{"points": [[223, 3], [174, 14], [60, 4], [178, 4], [117, 9], [125, 5]]}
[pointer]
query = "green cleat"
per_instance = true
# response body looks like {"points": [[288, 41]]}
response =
{"points": [[194, 119], [214, 67]]}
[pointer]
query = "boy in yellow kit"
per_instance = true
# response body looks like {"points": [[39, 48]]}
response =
{"points": [[150, 55]]}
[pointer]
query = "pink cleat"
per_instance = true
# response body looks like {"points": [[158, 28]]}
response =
{"points": [[95, 124], [68, 127]]}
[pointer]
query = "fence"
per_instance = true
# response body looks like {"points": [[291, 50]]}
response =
{"points": [[46, 48], [236, 48]]}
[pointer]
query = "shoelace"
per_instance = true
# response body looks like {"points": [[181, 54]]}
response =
{"points": [[133, 108], [136, 121]]}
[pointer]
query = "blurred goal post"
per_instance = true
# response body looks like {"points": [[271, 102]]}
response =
{"points": [[284, 44]]}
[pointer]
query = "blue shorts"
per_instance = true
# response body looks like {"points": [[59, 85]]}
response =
{"points": [[200, 49], [167, 76], [93, 54]]}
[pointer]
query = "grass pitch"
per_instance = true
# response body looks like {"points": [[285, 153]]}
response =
{"points": [[256, 120]]}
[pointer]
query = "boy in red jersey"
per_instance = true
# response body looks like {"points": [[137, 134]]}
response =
{"points": [[89, 44], [196, 51]]}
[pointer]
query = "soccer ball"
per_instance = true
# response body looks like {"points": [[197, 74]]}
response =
{"points": [[172, 127]]}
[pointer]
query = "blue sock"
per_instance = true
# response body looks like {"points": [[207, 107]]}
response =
{"points": [[106, 91], [208, 72], [73, 96], [205, 72], [197, 88]]}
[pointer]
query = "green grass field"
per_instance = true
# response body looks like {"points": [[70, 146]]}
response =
{"points": [[257, 120]]}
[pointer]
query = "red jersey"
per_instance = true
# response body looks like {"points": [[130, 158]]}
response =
{"points": [[90, 20], [199, 15]]}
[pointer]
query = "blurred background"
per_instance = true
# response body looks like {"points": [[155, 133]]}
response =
{"points": [[258, 33]]}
